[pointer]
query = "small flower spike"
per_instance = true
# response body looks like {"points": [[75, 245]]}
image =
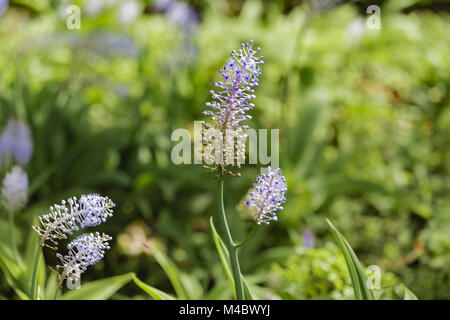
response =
{"points": [[16, 141], [14, 190], [84, 251], [308, 238], [268, 196], [230, 104], [90, 210]]}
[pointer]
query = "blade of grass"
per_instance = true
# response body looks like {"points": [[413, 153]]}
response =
{"points": [[100, 289], [223, 254], [357, 274], [172, 273], [153, 292]]}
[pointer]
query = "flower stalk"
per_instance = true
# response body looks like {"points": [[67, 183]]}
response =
{"points": [[250, 234], [228, 241]]}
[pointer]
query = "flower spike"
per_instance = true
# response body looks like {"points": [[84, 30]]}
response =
{"points": [[84, 251], [90, 210], [225, 135], [14, 191], [269, 195]]}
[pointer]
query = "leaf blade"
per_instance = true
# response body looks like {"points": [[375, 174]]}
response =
{"points": [[223, 254], [99, 290], [357, 275], [153, 292]]}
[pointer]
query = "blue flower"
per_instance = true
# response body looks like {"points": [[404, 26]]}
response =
{"points": [[308, 238], [89, 210], [15, 190], [268, 196], [84, 251], [15, 141]]}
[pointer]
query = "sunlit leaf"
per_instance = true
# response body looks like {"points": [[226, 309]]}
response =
{"points": [[99, 289], [357, 274], [153, 292]]}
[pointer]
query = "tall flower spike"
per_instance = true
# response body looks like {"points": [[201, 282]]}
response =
{"points": [[230, 103], [269, 195], [16, 141], [84, 251], [90, 210], [14, 190]]}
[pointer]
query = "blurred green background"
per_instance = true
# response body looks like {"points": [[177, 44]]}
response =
{"points": [[364, 119]]}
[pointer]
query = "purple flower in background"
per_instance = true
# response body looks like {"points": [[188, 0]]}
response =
{"points": [[182, 14], [308, 238], [269, 195], [15, 190], [3, 6], [15, 141], [70, 216], [163, 5], [84, 251], [186, 17], [178, 12]]}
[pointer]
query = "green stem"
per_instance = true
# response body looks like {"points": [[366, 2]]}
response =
{"points": [[35, 274], [240, 243], [228, 241]]}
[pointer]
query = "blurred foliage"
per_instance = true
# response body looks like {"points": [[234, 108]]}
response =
{"points": [[313, 274], [364, 119]]}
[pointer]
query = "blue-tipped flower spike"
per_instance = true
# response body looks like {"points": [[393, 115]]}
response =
{"points": [[89, 210], [84, 251], [16, 141], [268, 196], [232, 98], [15, 190]]}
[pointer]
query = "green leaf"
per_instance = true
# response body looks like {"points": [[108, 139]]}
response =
{"points": [[22, 295], [357, 274], [221, 291], [223, 254], [30, 256], [153, 292], [405, 293], [248, 295], [13, 271], [100, 289], [192, 286], [52, 287], [7, 262], [172, 272]]}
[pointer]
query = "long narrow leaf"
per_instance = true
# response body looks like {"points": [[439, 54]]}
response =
{"points": [[100, 289], [357, 274], [51, 288], [405, 293], [172, 273], [223, 254], [248, 295], [153, 292]]}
